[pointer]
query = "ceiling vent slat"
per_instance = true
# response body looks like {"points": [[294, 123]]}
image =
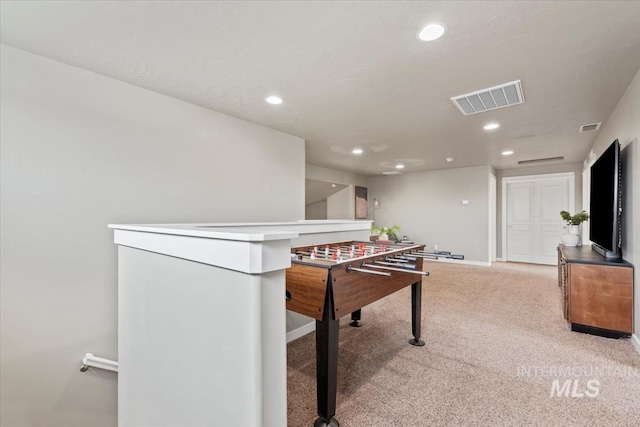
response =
{"points": [[589, 127], [498, 95], [504, 95], [487, 100], [512, 95], [476, 103], [466, 106]]}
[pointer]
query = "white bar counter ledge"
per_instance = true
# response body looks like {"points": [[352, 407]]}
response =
{"points": [[202, 322]]}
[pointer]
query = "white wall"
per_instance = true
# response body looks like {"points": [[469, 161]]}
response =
{"points": [[624, 125], [316, 210], [428, 208], [342, 205], [79, 151]]}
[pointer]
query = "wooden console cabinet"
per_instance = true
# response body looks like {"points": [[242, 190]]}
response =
{"points": [[597, 293]]}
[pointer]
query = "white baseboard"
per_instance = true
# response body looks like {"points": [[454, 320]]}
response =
{"points": [[301, 331], [460, 261], [635, 340], [501, 259]]}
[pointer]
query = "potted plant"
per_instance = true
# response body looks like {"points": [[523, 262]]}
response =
{"points": [[573, 237], [392, 232], [375, 233], [385, 233]]}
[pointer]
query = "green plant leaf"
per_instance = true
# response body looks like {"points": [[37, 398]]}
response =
{"points": [[576, 219]]}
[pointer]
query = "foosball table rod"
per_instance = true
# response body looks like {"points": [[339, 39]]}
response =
{"points": [[402, 270], [435, 255], [362, 270], [399, 264]]}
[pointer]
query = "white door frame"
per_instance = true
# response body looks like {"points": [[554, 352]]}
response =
{"points": [[493, 187], [541, 177]]}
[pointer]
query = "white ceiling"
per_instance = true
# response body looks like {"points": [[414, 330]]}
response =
{"points": [[354, 74]]}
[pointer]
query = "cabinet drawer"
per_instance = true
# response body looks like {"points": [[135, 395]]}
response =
{"points": [[601, 296]]}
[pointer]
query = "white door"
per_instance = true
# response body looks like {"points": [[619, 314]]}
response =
{"points": [[534, 225], [553, 198], [520, 227]]}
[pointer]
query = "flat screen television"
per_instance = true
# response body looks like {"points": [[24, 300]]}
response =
{"points": [[605, 222]]}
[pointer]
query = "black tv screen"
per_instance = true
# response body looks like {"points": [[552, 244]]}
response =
{"points": [[605, 206]]}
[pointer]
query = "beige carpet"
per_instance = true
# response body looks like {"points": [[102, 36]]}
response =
{"points": [[480, 326]]}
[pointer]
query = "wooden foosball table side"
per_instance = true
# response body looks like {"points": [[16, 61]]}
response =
{"points": [[328, 292]]}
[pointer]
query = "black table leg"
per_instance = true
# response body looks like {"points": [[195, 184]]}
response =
{"points": [[416, 315], [327, 364], [355, 318]]}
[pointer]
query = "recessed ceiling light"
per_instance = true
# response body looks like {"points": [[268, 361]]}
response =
{"points": [[491, 126], [449, 159], [333, 185], [507, 152], [431, 32], [275, 100], [400, 166], [357, 151]]}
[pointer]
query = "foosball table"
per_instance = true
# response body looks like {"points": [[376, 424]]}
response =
{"points": [[329, 281]]}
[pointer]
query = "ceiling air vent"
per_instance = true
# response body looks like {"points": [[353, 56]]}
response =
{"points": [[392, 173], [591, 126], [490, 99], [547, 159]]}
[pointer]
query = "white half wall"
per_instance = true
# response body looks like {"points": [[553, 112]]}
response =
{"points": [[80, 151], [428, 208]]}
